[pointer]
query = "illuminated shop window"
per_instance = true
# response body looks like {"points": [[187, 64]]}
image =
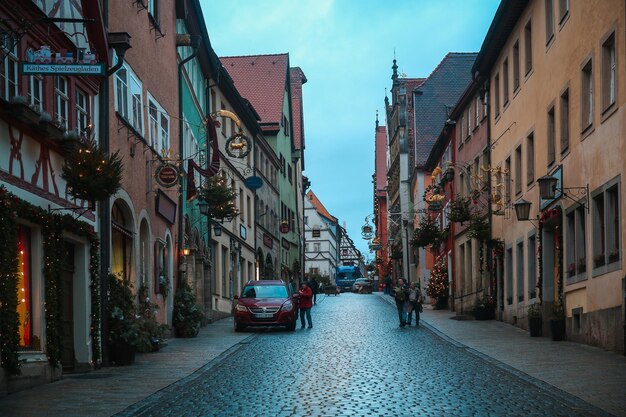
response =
{"points": [[24, 289]]}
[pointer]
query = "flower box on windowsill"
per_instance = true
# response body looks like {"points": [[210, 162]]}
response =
{"points": [[21, 111], [599, 261]]}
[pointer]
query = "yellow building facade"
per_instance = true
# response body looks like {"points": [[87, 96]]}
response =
{"points": [[557, 89]]}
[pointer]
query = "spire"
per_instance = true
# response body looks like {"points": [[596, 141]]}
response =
{"points": [[376, 119], [394, 67]]}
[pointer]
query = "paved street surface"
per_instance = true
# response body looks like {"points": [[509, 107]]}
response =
{"points": [[355, 361]]}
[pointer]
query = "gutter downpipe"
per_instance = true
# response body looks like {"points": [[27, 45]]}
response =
{"points": [[195, 42]]}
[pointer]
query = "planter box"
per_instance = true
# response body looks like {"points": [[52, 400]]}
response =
{"points": [[535, 325], [557, 330]]}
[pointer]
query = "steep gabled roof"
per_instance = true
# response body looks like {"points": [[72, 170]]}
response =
{"points": [[310, 195], [262, 80], [435, 97], [297, 80]]}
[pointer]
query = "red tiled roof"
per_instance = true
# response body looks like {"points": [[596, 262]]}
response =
{"points": [[260, 79], [381, 159], [297, 80], [319, 206]]}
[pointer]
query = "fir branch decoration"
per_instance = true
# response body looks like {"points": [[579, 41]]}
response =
{"points": [[91, 173], [459, 209], [426, 233], [479, 228], [9, 318], [220, 197]]}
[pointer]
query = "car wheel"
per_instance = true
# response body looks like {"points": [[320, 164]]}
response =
{"points": [[291, 326], [238, 327]]}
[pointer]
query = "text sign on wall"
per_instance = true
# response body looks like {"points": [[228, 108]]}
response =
{"points": [[62, 69]]}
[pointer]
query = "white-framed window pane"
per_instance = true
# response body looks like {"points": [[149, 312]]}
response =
{"points": [[82, 112], [9, 79], [121, 92], [61, 100], [153, 125], [35, 92]]}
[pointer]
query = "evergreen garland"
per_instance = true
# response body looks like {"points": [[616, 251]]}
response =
{"points": [[53, 226], [53, 253], [9, 318], [96, 303]]}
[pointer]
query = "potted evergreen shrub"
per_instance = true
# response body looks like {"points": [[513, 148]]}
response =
{"points": [[557, 321], [123, 331], [535, 320], [187, 315], [485, 308]]}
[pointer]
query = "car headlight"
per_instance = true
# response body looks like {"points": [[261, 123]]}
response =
{"points": [[240, 307], [288, 306]]}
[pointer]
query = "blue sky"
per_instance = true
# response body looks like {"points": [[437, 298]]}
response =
{"points": [[346, 49]]}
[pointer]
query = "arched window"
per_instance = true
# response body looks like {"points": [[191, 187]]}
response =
{"points": [[121, 240]]}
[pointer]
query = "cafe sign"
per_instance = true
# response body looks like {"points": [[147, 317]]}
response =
{"points": [[167, 175]]}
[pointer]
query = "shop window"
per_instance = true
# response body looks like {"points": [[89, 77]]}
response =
{"points": [[24, 291], [606, 227], [509, 275], [519, 274], [576, 246], [121, 242]]}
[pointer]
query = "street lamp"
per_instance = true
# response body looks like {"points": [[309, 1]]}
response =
{"points": [[522, 211], [547, 187]]}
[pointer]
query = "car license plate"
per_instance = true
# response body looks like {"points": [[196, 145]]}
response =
{"points": [[264, 315]]}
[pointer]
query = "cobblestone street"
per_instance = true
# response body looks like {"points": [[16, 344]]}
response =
{"points": [[356, 361]]}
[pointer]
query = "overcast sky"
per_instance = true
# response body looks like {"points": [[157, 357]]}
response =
{"points": [[346, 49]]}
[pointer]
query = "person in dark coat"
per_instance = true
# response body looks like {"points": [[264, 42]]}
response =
{"points": [[306, 302], [401, 295], [388, 285], [315, 287]]}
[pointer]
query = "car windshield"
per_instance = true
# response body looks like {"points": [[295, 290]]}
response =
{"points": [[361, 280], [264, 291]]}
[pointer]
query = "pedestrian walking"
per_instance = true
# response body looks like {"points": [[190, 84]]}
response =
{"points": [[415, 303], [388, 285], [315, 287], [401, 295], [306, 302]]}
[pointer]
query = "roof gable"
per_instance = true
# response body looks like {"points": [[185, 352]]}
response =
{"points": [[310, 195], [262, 80], [435, 98]]}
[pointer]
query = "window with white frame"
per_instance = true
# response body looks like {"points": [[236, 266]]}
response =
{"points": [[153, 10], [129, 97], [159, 127], [9, 78], [82, 110], [191, 149], [61, 100], [609, 72], [35, 92], [477, 114]]}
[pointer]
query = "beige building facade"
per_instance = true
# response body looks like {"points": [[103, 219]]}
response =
{"points": [[557, 91]]}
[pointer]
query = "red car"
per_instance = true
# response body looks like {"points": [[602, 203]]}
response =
{"points": [[265, 303]]}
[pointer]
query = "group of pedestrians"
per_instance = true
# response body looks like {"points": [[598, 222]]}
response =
{"points": [[409, 300]]}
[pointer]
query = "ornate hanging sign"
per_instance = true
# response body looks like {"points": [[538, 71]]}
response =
{"points": [[44, 61], [167, 175]]}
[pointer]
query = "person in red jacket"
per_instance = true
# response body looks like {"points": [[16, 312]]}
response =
{"points": [[306, 302]]}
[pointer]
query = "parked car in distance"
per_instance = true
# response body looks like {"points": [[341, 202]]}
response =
{"points": [[362, 286], [265, 303]]}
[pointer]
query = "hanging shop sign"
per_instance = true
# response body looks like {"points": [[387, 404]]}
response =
{"points": [[46, 62], [254, 182], [167, 175]]}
